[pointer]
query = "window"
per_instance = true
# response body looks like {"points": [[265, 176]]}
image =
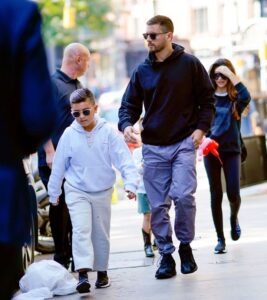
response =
{"points": [[200, 20]]}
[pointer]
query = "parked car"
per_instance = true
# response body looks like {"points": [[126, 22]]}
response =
{"points": [[109, 104], [40, 231]]}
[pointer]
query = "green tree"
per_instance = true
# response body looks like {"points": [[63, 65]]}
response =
{"points": [[91, 22]]}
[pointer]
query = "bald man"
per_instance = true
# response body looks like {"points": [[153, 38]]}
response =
{"points": [[75, 62]]}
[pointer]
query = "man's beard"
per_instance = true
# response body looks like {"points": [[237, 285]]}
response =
{"points": [[156, 49]]}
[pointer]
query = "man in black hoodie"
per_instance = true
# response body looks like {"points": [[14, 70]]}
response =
{"points": [[177, 95]]}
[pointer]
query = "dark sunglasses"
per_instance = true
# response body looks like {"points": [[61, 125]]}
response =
{"points": [[218, 75], [85, 112], [153, 35]]}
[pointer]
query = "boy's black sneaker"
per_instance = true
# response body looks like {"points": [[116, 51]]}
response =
{"points": [[102, 280], [188, 264], [221, 247], [166, 268], [83, 285]]}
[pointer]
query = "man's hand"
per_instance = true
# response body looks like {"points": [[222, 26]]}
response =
{"points": [[131, 195], [131, 135], [50, 152], [49, 159], [197, 137]]}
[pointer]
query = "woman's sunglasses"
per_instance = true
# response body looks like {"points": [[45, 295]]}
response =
{"points": [[85, 112], [218, 75], [153, 35]]}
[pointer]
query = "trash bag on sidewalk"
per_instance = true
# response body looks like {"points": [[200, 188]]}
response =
{"points": [[35, 294], [49, 274]]}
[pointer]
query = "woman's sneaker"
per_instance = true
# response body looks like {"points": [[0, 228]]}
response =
{"points": [[221, 247], [235, 231], [83, 285], [102, 280]]}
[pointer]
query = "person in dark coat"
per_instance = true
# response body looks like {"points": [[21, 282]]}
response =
{"points": [[27, 118]]}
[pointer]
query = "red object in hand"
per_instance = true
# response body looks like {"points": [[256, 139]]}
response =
{"points": [[208, 145]]}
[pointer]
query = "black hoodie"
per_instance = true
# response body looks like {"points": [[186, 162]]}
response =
{"points": [[177, 94]]}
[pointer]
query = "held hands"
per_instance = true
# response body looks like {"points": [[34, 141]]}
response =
{"points": [[131, 135], [131, 195]]}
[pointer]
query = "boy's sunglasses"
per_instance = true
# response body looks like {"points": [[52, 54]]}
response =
{"points": [[153, 35], [218, 75], [85, 112]]}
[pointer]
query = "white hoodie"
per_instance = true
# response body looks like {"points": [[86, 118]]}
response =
{"points": [[86, 160]]}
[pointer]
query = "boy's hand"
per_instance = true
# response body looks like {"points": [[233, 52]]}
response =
{"points": [[131, 195], [56, 203]]}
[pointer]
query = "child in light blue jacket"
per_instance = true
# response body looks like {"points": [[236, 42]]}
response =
{"points": [[85, 156]]}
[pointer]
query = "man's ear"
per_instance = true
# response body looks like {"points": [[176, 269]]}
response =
{"points": [[170, 36], [78, 59]]}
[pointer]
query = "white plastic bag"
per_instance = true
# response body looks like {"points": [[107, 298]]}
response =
{"points": [[49, 274], [35, 294]]}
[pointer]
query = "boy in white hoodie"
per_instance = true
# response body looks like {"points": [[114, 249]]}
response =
{"points": [[85, 156]]}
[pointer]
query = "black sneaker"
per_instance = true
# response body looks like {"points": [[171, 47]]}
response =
{"points": [[221, 247], [188, 264], [102, 280], [166, 268], [149, 251], [235, 231], [83, 285]]}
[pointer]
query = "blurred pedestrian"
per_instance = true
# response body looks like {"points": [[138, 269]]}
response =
{"points": [[143, 203], [250, 123], [75, 63], [85, 156], [179, 106], [27, 117], [232, 97]]}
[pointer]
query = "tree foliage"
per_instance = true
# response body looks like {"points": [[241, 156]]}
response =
{"points": [[91, 20]]}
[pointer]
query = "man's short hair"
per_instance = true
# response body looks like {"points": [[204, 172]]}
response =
{"points": [[82, 95], [165, 23]]}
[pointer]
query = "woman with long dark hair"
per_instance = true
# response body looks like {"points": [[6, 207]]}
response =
{"points": [[231, 99]]}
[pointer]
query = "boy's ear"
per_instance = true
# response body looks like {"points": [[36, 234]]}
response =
{"points": [[96, 108]]}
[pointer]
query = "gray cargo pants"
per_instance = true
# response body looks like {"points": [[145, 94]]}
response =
{"points": [[170, 175]]}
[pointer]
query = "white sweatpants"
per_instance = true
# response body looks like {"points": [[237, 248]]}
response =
{"points": [[90, 215]]}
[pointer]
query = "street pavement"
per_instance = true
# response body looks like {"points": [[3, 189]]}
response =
{"points": [[240, 274]]}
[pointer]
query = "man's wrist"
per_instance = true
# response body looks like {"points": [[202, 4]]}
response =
{"points": [[125, 126]]}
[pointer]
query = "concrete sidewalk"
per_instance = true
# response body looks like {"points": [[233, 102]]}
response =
{"points": [[240, 274]]}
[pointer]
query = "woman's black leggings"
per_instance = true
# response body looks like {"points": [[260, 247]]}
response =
{"points": [[231, 168]]}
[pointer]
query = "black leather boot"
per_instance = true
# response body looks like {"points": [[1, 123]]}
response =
{"points": [[188, 264], [166, 268], [147, 244]]}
